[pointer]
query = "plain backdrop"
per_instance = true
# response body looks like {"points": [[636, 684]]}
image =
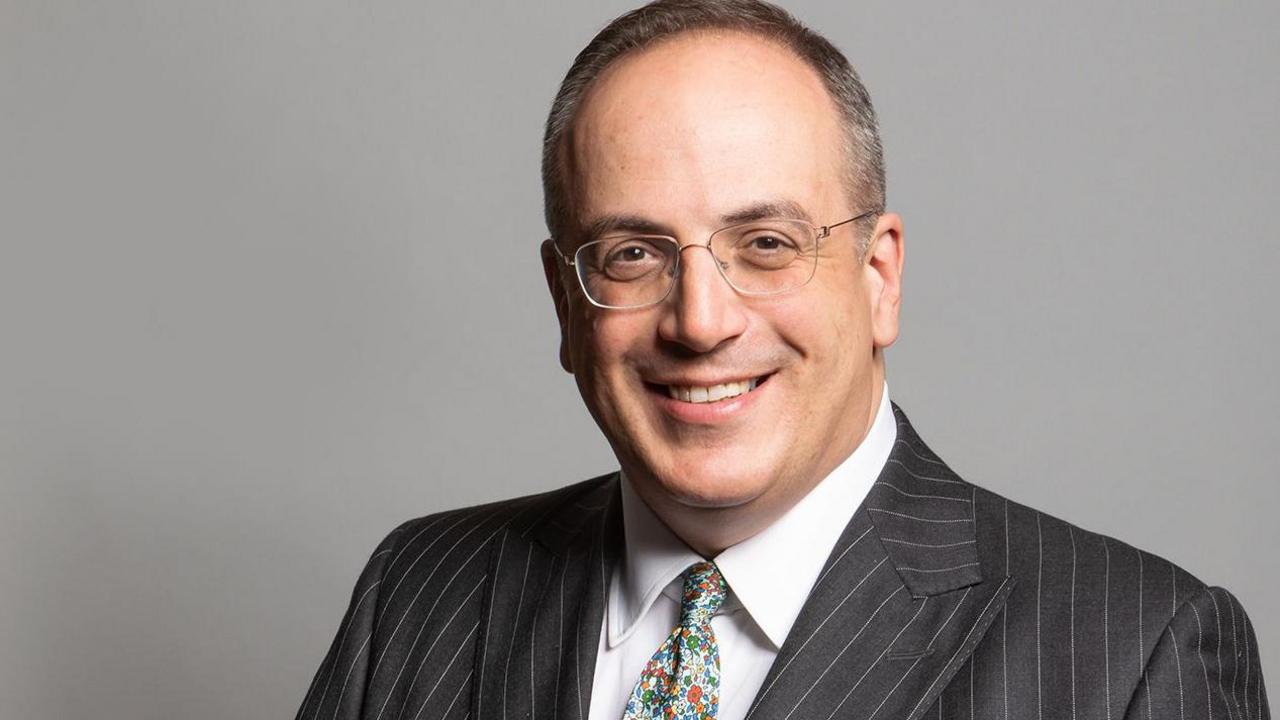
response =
{"points": [[269, 286]]}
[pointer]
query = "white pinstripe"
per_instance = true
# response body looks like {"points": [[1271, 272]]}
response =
{"points": [[939, 570], [533, 649], [900, 491], [337, 705], [342, 640], [456, 695], [909, 471], [385, 571], [962, 644], [763, 693], [1208, 694], [1146, 684], [919, 519], [555, 708], [937, 546], [484, 646], [511, 646], [838, 655], [441, 677], [1106, 622], [1235, 646], [405, 575], [915, 662], [577, 660], [428, 526], [427, 654], [1257, 687], [910, 448], [1247, 667], [1177, 663], [463, 566], [873, 665], [834, 563], [1217, 621]]}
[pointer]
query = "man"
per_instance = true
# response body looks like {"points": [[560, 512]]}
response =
{"points": [[779, 542]]}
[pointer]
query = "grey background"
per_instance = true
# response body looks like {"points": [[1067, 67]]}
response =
{"points": [[269, 286]]}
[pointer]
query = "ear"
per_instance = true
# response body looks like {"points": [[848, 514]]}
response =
{"points": [[551, 267], [883, 270]]}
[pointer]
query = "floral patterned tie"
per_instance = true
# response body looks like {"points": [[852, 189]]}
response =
{"points": [[682, 680]]}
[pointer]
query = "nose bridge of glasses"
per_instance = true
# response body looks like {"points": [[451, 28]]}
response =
{"points": [[720, 264]]}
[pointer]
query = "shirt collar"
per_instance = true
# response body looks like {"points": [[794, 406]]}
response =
{"points": [[770, 573]]}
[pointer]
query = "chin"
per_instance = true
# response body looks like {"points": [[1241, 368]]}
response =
{"points": [[705, 483]]}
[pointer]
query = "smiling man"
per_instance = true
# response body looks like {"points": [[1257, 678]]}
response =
{"points": [[778, 542]]}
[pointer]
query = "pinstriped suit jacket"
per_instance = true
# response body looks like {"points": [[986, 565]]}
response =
{"points": [[940, 600]]}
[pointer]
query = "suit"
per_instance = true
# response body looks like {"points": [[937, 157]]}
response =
{"points": [[940, 600]]}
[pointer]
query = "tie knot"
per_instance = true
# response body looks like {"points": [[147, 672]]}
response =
{"points": [[704, 593]]}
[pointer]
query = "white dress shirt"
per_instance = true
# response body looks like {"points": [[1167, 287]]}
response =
{"points": [[769, 576]]}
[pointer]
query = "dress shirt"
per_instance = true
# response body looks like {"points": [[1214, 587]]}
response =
{"points": [[769, 577]]}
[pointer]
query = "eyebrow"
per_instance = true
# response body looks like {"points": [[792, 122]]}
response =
{"points": [[640, 224], [765, 210]]}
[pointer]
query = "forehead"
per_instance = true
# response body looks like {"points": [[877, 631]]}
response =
{"points": [[702, 125]]}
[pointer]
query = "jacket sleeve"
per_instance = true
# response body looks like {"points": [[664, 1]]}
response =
{"points": [[338, 688], [1205, 665]]}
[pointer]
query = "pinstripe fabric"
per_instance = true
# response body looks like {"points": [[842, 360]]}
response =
{"points": [[940, 600]]}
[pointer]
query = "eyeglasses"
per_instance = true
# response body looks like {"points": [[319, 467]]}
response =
{"points": [[762, 257]]}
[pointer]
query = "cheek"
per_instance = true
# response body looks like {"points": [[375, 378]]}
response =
{"points": [[601, 343]]}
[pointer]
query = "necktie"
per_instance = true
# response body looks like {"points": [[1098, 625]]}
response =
{"points": [[682, 679]]}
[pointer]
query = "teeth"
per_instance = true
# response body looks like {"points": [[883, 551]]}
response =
{"points": [[712, 393]]}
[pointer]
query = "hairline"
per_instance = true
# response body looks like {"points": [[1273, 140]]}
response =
{"points": [[849, 162]]}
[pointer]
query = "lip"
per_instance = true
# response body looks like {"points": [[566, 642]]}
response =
{"points": [[709, 413]]}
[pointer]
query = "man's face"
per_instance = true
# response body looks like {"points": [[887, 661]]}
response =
{"points": [[684, 136]]}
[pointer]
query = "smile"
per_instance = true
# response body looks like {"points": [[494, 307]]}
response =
{"points": [[712, 393]]}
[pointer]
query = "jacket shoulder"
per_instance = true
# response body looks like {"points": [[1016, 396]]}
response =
{"points": [[457, 535], [1036, 546]]}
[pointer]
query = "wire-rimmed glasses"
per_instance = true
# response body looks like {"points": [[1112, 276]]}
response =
{"points": [[625, 271]]}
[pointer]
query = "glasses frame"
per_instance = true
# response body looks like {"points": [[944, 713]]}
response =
{"points": [[821, 232]]}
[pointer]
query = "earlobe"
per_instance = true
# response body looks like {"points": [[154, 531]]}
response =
{"points": [[559, 298], [885, 258]]}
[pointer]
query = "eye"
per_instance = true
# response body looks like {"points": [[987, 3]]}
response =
{"points": [[629, 259], [630, 254], [762, 244], [767, 243]]}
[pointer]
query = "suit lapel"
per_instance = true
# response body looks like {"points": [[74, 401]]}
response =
{"points": [[542, 617], [900, 605]]}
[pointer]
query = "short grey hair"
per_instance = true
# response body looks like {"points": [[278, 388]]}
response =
{"points": [[663, 19]]}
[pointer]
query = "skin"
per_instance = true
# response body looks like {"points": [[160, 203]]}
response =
{"points": [[682, 135]]}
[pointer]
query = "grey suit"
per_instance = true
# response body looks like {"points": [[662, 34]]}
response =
{"points": [[940, 599]]}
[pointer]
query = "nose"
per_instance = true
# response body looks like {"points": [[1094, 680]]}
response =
{"points": [[704, 311]]}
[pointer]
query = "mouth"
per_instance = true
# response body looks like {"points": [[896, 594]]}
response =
{"points": [[704, 394]]}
